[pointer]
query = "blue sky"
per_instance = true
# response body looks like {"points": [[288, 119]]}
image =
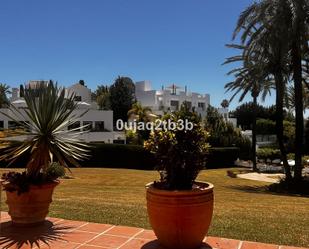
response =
{"points": [[162, 41]]}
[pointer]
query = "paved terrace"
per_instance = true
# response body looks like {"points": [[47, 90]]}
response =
{"points": [[67, 234]]}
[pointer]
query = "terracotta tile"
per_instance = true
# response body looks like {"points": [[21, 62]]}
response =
{"points": [[142, 243], [90, 247], [54, 220], [124, 231], [222, 243], [72, 224], [15, 246], [147, 234], [108, 241], [95, 227], [79, 236], [60, 245], [256, 245]]}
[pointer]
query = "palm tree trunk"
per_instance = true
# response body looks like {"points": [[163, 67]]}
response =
{"points": [[254, 134], [299, 110], [279, 122]]}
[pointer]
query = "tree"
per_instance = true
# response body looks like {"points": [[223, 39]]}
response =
{"points": [[224, 134], [290, 98], [82, 82], [277, 28], [307, 136], [141, 114], [122, 97], [102, 97], [21, 90], [250, 77], [4, 90], [225, 103]]}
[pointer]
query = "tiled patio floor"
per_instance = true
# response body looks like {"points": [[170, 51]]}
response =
{"points": [[66, 234]]}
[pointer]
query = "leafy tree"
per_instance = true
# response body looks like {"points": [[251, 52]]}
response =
{"points": [[82, 82], [225, 103], [102, 97], [4, 90], [265, 127], [21, 90], [224, 134], [122, 97]]}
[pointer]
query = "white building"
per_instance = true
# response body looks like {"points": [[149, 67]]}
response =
{"points": [[170, 98], [100, 121]]}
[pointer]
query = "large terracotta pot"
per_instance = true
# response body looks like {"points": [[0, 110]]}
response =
{"points": [[180, 219], [30, 207]]}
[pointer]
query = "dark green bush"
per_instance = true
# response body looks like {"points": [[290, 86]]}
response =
{"points": [[265, 126], [106, 156], [222, 157], [268, 153], [118, 156]]}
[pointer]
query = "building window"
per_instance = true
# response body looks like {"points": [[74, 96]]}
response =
{"points": [[99, 126], [175, 104], [201, 105], [77, 98], [89, 127], [74, 125], [13, 125]]}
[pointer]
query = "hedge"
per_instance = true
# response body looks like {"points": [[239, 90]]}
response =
{"points": [[222, 157], [136, 157], [106, 155]]}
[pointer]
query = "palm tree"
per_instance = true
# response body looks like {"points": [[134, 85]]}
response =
{"points": [[141, 114], [4, 90], [282, 35], [225, 103], [290, 98], [50, 113], [249, 78]]}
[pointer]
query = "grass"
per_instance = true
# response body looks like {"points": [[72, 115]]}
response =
{"points": [[243, 208]]}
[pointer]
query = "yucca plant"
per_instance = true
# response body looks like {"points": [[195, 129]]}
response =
{"points": [[50, 111]]}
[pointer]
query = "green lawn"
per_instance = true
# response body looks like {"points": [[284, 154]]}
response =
{"points": [[243, 209]]}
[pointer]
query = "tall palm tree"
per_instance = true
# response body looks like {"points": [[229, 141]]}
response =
{"points": [[282, 35], [249, 78], [4, 90], [290, 98]]}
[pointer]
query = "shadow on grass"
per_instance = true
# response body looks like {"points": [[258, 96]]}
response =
{"points": [[272, 189], [12, 236], [154, 244]]}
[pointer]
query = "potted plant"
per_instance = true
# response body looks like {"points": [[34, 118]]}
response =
{"points": [[50, 147], [179, 207]]}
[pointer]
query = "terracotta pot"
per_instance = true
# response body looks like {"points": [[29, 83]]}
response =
{"points": [[180, 219], [30, 207]]}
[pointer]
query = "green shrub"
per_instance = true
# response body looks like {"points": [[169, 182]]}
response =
{"points": [[55, 170], [106, 156], [180, 154], [268, 153], [222, 157], [265, 126], [118, 156]]}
